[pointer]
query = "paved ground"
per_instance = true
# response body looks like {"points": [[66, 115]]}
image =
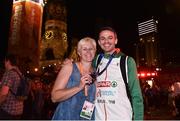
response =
{"points": [[163, 113]]}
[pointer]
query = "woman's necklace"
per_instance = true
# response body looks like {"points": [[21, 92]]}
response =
{"points": [[82, 70]]}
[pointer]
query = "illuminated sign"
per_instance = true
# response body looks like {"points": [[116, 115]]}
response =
{"points": [[147, 27]]}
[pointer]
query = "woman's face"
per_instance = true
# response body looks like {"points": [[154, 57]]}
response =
{"points": [[87, 52]]}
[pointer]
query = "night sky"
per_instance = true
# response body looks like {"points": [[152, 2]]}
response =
{"points": [[5, 12], [85, 16]]}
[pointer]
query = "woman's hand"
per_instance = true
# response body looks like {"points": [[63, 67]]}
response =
{"points": [[86, 79]]}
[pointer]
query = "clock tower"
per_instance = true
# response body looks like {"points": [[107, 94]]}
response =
{"points": [[54, 41]]}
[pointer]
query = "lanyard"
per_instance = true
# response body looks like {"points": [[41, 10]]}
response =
{"points": [[110, 59], [80, 69]]}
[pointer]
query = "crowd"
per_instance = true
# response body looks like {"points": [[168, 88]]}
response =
{"points": [[38, 105]]}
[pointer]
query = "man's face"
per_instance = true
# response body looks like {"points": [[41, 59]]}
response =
{"points": [[107, 41]]}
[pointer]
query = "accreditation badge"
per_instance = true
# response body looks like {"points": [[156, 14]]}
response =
{"points": [[87, 110]]}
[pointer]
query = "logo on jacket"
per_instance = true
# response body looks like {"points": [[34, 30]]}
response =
{"points": [[107, 84]]}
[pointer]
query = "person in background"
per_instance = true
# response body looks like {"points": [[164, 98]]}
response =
{"points": [[10, 106], [171, 100], [112, 102], [38, 100], [73, 87], [176, 86]]}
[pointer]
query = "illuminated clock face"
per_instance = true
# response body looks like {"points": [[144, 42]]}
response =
{"points": [[49, 34], [64, 36]]}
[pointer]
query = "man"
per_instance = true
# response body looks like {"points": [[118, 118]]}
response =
{"points": [[10, 107], [112, 102]]}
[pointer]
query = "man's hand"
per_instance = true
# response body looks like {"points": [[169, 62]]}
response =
{"points": [[3, 93], [67, 61]]}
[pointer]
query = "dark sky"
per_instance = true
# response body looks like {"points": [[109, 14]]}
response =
{"points": [[124, 15], [5, 12], [85, 16]]}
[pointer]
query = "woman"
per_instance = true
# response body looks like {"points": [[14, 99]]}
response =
{"points": [[73, 86]]}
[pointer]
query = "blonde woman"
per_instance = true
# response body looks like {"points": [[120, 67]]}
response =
{"points": [[73, 88]]}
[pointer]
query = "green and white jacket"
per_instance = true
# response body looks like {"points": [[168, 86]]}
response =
{"points": [[112, 102]]}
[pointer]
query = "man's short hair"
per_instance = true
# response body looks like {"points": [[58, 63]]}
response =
{"points": [[12, 58], [109, 29]]}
